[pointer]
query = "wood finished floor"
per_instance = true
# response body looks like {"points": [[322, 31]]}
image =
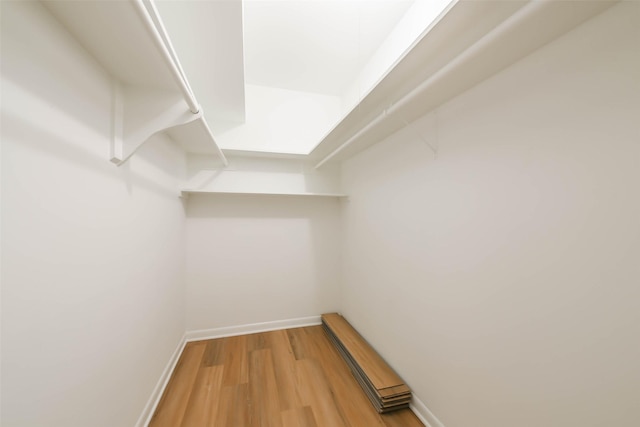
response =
{"points": [[287, 378]]}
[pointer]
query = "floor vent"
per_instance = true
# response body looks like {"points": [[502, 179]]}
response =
{"points": [[384, 388]]}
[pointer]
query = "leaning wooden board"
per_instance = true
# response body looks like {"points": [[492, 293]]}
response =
{"points": [[384, 388], [381, 404]]}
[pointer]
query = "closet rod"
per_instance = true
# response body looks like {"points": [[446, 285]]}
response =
{"points": [[486, 42], [161, 40], [219, 151], [151, 19]]}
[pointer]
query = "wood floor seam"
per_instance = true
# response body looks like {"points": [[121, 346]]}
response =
{"points": [[287, 378]]}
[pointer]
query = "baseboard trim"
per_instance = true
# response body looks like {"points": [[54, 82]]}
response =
{"points": [[423, 413], [229, 331], [154, 399]]}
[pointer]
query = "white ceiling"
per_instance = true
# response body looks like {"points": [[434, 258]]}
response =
{"points": [[314, 45]]}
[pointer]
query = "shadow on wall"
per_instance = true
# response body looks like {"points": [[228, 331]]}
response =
{"points": [[259, 206], [27, 134], [57, 99], [56, 68]]}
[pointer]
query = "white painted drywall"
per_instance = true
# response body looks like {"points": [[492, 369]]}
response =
{"points": [[281, 121], [502, 277], [92, 254], [314, 46], [252, 259]]}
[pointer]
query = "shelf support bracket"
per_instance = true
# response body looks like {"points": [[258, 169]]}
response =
{"points": [[134, 122], [420, 136]]}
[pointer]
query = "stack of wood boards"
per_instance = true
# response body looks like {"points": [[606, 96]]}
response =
{"points": [[385, 389]]}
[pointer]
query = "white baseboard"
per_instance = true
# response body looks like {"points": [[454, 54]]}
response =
{"points": [[229, 331], [154, 399], [423, 413]]}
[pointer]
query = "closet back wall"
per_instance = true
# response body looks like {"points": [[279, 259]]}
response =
{"points": [[92, 254], [260, 258]]}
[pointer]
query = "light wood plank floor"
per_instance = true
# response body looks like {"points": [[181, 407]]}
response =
{"points": [[287, 378]]}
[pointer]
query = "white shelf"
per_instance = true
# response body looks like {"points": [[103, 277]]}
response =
{"points": [[468, 44], [249, 193], [128, 40]]}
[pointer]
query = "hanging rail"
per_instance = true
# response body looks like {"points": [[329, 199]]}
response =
{"points": [[151, 19], [485, 43], [161, 40], [220, 153]]}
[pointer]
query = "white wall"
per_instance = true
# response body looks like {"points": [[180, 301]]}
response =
{"points": [[253, 259], [281, 121], [92, 255], [501, 278]]}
